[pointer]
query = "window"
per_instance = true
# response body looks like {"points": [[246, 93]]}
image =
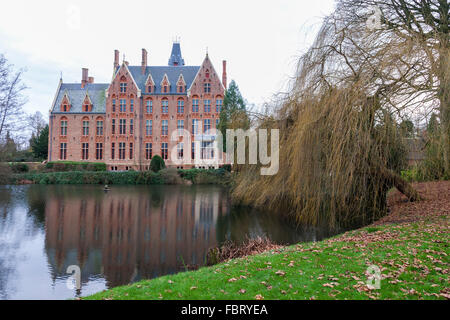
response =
{"points": [[149, 89], [180, 89], [165, 106], [131, 126], [64, 127], [149, 106], [113, 151], [219, 104], [207, 104], [131, 105], [113, 126], [165, 89], [113, 105], [164, 150], [122, 126], [86, 108], [123, 105], [121, 150], [195, 105], [85, 151], [195, 126], [148, 127], [65, 107], [180, 127], [99, 151], [180, 150], [207, 125], [85, 128], [131, 150], [207, 150], [164, 127], [180, 106], [193, 150], [148, 151], [63, 151], [217, 123], [100, 128], [123, 87], [207, 88]]}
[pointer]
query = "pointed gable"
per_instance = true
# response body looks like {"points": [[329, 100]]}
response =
{"points": [[165, 84], [206, 80], [124, 72], [181, 84], [65, 103], [87, 103]]}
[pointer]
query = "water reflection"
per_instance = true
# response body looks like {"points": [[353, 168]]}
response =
{"points": [[122, 236]]}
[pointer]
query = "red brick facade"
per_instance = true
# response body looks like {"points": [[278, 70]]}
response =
{"points": [[136, 116]]}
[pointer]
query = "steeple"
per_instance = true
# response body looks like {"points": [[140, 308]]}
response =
{"points": [[176, 59]]}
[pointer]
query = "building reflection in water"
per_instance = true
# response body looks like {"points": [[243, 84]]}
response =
{"points": [[124, 237]]}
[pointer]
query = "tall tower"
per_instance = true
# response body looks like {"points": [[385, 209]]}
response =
{"points": [[176, 59]]}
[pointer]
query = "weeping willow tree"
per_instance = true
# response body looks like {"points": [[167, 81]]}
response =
{"points": [[340, 147]]}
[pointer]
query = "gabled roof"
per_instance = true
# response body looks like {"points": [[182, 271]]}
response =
{"points": [[76, 95], [158, 72], [165, 77]]}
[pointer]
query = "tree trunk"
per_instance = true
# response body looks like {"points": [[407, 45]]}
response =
{"points": [[404, 187]]}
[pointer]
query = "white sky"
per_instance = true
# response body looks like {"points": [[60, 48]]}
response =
{"points": [[261, 40]]}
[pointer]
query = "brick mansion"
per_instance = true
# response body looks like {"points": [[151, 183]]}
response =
{"points": [[171, 111]]}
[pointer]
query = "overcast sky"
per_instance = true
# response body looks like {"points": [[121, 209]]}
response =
{"points": [[261, 40]]}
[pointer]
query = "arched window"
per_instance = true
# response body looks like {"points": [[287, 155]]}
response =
{"points": [[165, 106], [63, 126], [219, 104], [123, 84], [180, 106], [149, 106], [99, 126], [85, 126], [195, 103]]}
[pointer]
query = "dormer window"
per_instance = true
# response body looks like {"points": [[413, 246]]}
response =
{"points": [[165, 89], [180, 89], [65, 108], [149, 89]]}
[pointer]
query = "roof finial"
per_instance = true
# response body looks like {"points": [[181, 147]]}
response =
{"points": [[206, 50], [60, 77]]}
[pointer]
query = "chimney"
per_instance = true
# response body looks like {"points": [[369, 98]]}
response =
{"points": [[84, 76], [224, 74], [144, 61], [91, 79], [116, 59]]}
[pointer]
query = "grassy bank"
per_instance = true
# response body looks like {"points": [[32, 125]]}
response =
{"points": [[413, 258], [166, 176]]}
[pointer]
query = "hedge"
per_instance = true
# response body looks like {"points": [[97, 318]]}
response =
{"points": [[62, 166], [165, 176]]}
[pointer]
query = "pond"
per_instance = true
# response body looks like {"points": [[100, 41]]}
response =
{"points": [[118, 237]]}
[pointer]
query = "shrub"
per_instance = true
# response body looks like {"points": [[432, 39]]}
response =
{"points": [[5, 173], [170, 176], [19, 167], [62, 166], [157, 163], [227, 167]]}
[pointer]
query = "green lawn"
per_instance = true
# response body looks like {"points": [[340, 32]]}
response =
{"points": [[413, 258]]}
